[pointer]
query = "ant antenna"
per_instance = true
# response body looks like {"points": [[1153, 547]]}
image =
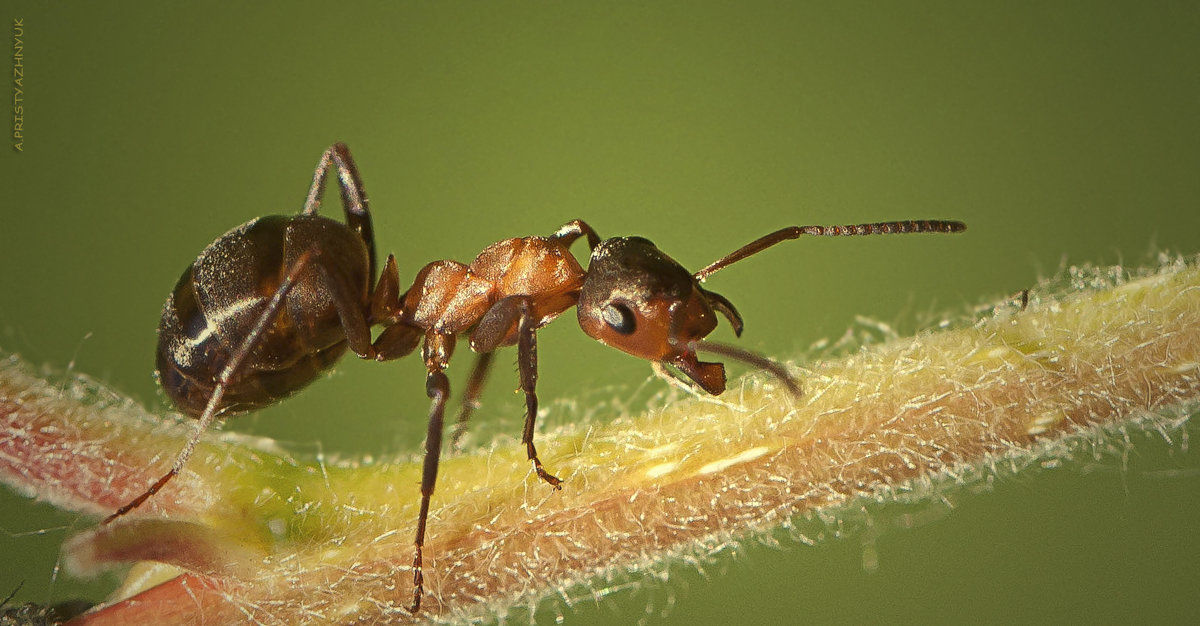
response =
{"points": [[794, 232]]}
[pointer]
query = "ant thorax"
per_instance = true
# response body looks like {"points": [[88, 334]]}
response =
{"points": [[449, 297]]}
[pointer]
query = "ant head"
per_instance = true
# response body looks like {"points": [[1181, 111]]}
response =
{"points": [[639, 300]]}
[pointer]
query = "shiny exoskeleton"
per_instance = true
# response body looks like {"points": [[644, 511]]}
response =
{"points": [[271, 304]]}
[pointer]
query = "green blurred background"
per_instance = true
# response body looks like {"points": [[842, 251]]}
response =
{"points": [[1068, 131]]}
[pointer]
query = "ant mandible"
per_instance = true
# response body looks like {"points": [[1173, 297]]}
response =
{"points": [[273, 303]]}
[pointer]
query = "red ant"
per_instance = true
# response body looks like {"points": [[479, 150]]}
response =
{"points": [[271, 304]]}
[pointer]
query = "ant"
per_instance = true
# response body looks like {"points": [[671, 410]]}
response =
{"points": [[273, 303]]}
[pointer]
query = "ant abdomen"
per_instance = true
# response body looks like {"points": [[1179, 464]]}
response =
{"points": [[224, 292]]}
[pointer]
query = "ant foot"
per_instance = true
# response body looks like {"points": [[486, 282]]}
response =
{"points": [[418, 583], [553, 480]]}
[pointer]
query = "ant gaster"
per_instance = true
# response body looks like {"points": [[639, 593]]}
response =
{"points": [[274, 302]]}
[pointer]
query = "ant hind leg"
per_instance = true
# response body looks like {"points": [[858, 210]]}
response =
{"points": [[227, 376], [354, 196]]}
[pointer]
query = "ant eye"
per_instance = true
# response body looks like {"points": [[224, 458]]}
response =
{"points": [[619, 317]]}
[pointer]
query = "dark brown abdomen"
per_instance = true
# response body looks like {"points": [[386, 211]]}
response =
{"points": [[222, 295]]}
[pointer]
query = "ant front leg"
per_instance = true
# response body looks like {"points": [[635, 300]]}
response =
{"points": [[493, 329], [438, 348], [567, 234]]}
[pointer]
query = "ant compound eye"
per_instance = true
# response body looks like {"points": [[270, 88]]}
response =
{"points": [[619, 317]]}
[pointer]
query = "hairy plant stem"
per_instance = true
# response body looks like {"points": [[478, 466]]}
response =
{"points": [[261, 536]]}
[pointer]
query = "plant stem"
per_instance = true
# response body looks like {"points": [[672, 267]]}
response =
{"points": [[269, 538]]}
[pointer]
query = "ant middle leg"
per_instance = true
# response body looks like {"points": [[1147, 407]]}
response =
{"points": [[494, 330], [470, 400]]}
